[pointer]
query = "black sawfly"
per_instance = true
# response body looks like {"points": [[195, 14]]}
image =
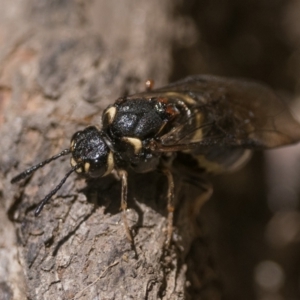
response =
{"points": [[218, 121]]}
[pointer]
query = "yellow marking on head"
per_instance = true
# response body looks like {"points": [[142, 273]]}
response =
{"points": [[135, 143], [72, 145], [110, 164], [87, 167], [73, 162], [111, 112], [79, 170]]}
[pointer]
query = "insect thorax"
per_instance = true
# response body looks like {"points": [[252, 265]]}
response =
{"points": [[130, 124]]}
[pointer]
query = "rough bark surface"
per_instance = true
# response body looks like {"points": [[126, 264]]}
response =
{"points": [[62, 63]]}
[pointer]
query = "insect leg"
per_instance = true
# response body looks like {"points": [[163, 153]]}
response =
{"points": [[123, 176], [170, 206]]}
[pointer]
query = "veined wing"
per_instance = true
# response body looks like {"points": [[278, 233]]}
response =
{"points": [[229, 112]]}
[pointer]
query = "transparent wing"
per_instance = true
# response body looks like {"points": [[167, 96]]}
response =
{"points": [[228, 112]]}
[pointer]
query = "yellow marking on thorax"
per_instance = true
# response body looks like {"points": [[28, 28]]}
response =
{"points": [[111, 113], [135, 143], [110, 164], [187, 99]]}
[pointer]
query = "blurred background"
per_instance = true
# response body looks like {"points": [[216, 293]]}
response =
{"points": [[253, 220]]}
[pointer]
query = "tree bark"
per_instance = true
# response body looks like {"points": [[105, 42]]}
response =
{"points": [[62, 63]]}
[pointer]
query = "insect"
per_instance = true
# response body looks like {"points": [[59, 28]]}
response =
{"points": [[217, 121]]}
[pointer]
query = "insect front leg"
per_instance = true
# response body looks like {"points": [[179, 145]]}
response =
{"points": [[124, 190]]}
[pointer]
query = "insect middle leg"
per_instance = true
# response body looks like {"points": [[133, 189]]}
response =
{"points": [[170, 206], [123, 176]]}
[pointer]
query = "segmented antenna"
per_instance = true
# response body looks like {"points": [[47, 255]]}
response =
{"points": [[54, 191], [40, 165]]}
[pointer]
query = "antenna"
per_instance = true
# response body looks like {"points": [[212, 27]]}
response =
{"points": [[54, 191], [32, 169]]}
